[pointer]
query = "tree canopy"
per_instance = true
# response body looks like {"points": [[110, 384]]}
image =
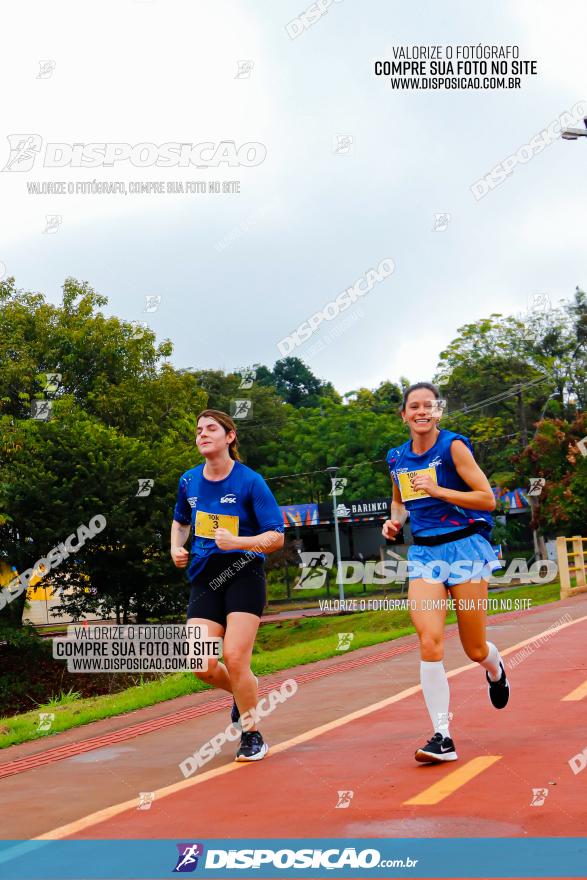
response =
{"points": [[119, 416]]}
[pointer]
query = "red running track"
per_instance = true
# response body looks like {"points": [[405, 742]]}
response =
{"points": [[294, 791]]}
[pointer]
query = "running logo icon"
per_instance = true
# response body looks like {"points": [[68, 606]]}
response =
{"points": [[23, 151], [145, 487], [344, 641], [539, 795], [344, 800], [187, 860], [314, 570]]}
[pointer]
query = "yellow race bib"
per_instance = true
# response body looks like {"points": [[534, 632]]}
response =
{"points": [[406, 483], [206, 523]]}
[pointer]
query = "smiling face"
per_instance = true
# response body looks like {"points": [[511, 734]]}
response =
{"points": [[422, 412], [211, 438]]}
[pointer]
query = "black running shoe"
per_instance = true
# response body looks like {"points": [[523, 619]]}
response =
{"points": [[499, 691], [252, 747], [438, 749]]}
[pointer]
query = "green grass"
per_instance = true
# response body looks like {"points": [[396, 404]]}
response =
{"points": [[279, 646]]}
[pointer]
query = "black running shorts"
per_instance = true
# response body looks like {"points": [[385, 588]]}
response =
{"points": [[228, 582]]}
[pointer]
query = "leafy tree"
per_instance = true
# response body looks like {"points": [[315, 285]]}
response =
{"points": [[92, 353], [553, 454], [73, 468], [119, 415], [296, 383], [502, 375], [334, 435]]}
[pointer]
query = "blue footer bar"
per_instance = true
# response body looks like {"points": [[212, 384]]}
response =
{"points": [[551, 857]]}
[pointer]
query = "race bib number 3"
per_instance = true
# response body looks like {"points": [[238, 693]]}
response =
{"points": [[206, 523], [406, 483]]}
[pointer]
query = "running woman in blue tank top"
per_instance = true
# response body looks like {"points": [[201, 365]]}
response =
{"points": [[232, 519], [437, 480]]}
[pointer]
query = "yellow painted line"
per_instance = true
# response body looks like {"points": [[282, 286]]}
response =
{"points": [[115, 810], [578, 693], [453, 781]]}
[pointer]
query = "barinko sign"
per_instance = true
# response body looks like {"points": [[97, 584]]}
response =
{"points": [[356, 509]]}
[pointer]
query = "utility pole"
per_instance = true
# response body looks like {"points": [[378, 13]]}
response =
{"points": [[333, 471], [522, 416]]}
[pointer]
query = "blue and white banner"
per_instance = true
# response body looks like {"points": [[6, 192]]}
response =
{"points": [[554, 857]]}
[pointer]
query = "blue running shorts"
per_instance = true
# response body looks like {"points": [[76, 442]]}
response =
{"points": [[468, 559]]}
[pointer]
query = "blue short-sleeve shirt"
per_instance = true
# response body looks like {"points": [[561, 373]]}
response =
{"points": [[243, 495]]}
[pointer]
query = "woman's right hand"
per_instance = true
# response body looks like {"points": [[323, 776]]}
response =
{"points": [[390, 529], [180, 556]]}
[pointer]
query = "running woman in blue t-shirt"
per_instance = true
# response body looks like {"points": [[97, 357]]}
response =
{"points": [[449, 499], [233, 520]]}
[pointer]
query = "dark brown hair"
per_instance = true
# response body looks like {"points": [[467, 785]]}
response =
{"points": [[223, 419], [416, 387]]}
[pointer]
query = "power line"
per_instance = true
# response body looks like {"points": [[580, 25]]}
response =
{"points": [[382, 460], [248, 424]]}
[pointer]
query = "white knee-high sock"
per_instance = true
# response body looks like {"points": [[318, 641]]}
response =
{"points": [[491, 662], [436, 693]]}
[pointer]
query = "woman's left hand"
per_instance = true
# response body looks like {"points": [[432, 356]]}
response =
{"points": [[426, 484], [226, 540]]}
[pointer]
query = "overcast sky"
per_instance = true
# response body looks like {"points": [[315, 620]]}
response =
{"points": [[237, 273]]}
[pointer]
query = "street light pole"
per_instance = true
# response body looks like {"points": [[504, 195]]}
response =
{"points": [[332, 471]]}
